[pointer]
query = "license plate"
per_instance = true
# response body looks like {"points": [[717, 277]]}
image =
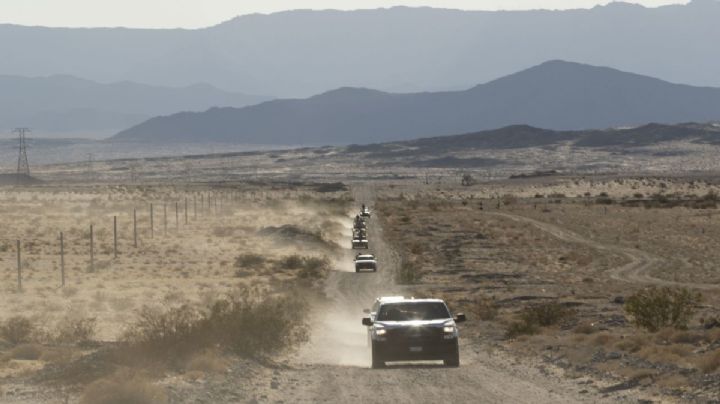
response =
{"points": [[415, 349]]}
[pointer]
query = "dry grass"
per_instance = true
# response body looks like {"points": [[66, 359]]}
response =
{"points": [[30, 352], [125, 387], [709, 362], [210, 361], [245, 324]]}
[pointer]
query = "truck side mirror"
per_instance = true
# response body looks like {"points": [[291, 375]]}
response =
{"points": [[460, 318], [367, 322]]}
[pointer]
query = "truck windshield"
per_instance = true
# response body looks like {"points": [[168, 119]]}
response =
{"points": [[413, 311]]}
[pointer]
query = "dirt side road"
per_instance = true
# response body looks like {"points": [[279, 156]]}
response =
{"points": [[334, 366], [636, 271]]}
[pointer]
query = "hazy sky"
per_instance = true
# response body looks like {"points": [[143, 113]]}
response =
{"points": [[202, 13]]}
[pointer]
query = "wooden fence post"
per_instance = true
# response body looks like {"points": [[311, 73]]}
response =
{"points": [[165, 218], [152, 222], [92, 250], [135, 227], [115, 252], [19, 268], [62, 260]]}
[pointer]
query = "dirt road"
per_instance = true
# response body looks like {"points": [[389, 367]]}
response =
{"points": [[638, 268], [334, 366]]}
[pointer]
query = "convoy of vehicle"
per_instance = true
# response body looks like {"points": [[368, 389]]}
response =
{"points": [[405, 329]]}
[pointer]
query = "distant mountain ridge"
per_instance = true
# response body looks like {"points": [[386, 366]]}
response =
{"points": [[556, 95], [63, 105], [299, 53]]}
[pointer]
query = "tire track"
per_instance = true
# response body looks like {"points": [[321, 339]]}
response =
{"points": [[636, 270]]}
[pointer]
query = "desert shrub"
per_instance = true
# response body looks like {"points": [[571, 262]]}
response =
{"points": [[557, 195], [78, 331], [208, 361], [531, 318], [292, 262], [26, 352], [517, 328], [638, 195], [408, 273], [244, 324], [585, 328], [709, 362], [314, 268], [603, 200], [485, 309], [249, 260], [17, 330], [711, 196], [122, 388], [654, 308], [509, 199]]}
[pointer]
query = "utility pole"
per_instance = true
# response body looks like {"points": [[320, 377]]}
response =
{"points": [[23, 167]]}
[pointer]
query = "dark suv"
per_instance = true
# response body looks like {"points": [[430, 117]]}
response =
{"points": [[413, 329]]}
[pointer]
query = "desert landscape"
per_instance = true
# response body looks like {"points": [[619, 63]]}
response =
{"points": [[544, 265], [359, 202]]}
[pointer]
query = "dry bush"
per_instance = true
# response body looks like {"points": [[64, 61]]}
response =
{"points": [[244, 324], [408, 273], [654, 308], [485, 309], [31, 352], [17, 330], [709, 362], [123, 388], [531, 318], [632, 344], [249, 261], [585, 328], [314, 268], [77, 331], [207, 362]]}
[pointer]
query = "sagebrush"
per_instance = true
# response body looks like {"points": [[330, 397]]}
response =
{"points": [[654, 308]]}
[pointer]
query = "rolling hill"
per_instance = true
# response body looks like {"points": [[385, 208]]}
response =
{"points": [[556, 95], [68, 107]]}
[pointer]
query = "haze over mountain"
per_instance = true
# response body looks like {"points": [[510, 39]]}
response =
{"points": [[67, 106], [300, 53], [554, 95]]}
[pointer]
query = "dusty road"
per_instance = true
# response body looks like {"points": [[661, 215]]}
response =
{"points": [[334, 366]]}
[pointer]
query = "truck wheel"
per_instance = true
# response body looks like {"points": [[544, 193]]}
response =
{"points": [[377, 362], [453, 360]]}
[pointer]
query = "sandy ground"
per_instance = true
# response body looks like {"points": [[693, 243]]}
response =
{"points": [[522, 247]]}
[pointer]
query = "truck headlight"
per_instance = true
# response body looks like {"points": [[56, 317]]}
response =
{"points": [[449, 329], [380, 332]]}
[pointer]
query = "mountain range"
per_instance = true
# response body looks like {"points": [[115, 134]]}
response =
{"points": [[65, 106], [555, 95], [301, 53]]}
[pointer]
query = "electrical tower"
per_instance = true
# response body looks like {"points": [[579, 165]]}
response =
{"points": [[23, 167], [90, 168]]}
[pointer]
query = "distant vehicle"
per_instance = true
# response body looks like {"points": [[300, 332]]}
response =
{"points": [[365, 212], [359, 243], [359, 223], [365, 262], [413, 329]]}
